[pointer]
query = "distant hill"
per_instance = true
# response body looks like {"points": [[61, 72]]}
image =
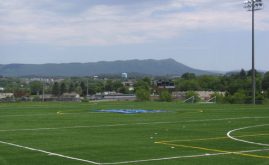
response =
{"points": [[148, 67]]}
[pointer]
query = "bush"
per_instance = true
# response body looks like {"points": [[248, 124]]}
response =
{"points": [[142, 94], [36, 98], [239, 97], [165, 96], [85, 100]]}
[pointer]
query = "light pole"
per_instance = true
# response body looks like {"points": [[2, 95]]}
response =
{"points": [[253, 5], [87, 93], [43, 90]]}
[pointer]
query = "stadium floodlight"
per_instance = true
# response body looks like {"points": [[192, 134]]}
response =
{"points": [[257, 4], [253, 5]]}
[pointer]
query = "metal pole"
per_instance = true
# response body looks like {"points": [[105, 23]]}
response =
{"points": [[43, 91], [253, 5], [87, 87], [253, 56]]}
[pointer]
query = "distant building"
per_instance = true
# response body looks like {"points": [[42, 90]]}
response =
{"points": [[95, 77], [113, 96], [124, 76], [129, 84], [6, 95], [161, 84], [68, 97]]}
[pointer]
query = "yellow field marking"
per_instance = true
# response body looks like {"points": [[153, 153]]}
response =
{"points": [[214, 138], [193, 147], [214, 150], [59, 113]]}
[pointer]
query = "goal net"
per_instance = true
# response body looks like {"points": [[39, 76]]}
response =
{"points": [[189, 100], [212, 100]]}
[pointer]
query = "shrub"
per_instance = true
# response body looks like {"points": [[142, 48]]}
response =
{"points": [[142, 94], [165, 96]]}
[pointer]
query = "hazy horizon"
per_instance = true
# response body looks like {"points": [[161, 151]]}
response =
{"points": [[220, 71], [202, 34]]}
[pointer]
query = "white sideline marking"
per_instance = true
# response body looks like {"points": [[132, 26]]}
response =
{"points": [[46, 114], [57, 128], [168, 158], [127, 162], [49, 153], [245, 141], [188, 156], [130, 124]]}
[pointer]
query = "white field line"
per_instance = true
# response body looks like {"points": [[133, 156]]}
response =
{"points": [[187, 156], [47, 114], [127, 162], [129, 124], [48, 153], [168, 158], [245, 141], [43, 114]]}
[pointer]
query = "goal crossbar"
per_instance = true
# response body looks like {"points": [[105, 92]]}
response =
{"points": [[189, 100], [212, 100]]}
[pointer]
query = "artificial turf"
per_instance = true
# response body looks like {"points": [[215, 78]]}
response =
{"points": [[183, 134]]}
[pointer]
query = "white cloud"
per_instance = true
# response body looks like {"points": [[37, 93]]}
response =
{"points": [[33, 21]]}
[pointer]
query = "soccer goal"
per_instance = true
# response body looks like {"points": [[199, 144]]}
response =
{"points": [[190, 100], [212, 100]]}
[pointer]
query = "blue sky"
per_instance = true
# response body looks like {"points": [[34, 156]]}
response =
{"points": [[204, 34]]}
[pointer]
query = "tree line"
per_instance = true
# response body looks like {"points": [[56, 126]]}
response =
{"points": [[237, 86]]}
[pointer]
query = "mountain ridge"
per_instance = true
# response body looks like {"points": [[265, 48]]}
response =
{"points": [[148, 66]]}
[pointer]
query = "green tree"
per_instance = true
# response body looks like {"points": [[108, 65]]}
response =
{"points": [[83, 88], [165, 96], [143, 84], [78, 90], [243, 74], [142, 94], [108, 85], [36, 87], [207, 82], [63, 88], [147, 80], [71, 87], [142, 89], [123, 90], [239, 97], [186, 85], [56, 89], [188, 76], [265, 84], [117, 85]]}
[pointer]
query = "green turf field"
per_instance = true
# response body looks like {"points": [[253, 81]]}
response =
{"points": [[75, 134]]}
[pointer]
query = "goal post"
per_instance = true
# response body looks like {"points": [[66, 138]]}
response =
{"points": [[212, 100], [189, 100]]}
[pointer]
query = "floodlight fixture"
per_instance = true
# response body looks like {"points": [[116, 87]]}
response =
{"points": [[257, 5], [253, 5]]}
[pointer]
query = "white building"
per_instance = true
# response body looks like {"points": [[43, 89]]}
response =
{"points": [[124, 75], [6, 95]]}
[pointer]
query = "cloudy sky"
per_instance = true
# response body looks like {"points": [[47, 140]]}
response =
{"points": [[204, 34]]}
